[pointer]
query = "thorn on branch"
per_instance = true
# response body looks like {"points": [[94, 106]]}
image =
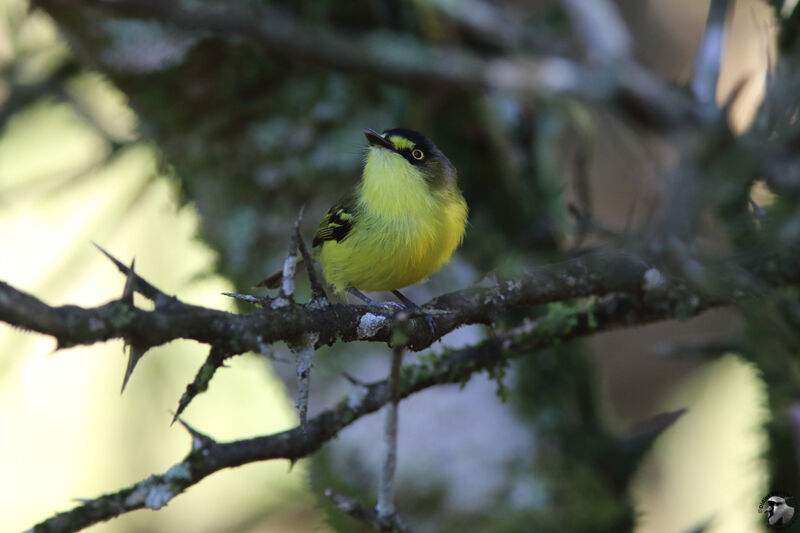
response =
{"points": [[250, 298], [135, 353], [216, 358], [199, 440], [130, 284], [140, 285]]}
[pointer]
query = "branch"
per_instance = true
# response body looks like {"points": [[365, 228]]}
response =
{"points": [[709, 55], [385, 507], [644, 296], [593, 274], [643, 95], [561, 324], [590, 275]]}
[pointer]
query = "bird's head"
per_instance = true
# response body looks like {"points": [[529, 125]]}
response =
{"points": [[401, 151], [776, 501]]}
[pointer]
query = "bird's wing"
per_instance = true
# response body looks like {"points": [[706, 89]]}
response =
{"points": [[337, 222]]}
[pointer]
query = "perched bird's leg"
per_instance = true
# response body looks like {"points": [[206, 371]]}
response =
{"points": [[411, 305], [408, 303], [369, 301]]}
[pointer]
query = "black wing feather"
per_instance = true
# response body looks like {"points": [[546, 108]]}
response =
{"points": [[337, 222]]}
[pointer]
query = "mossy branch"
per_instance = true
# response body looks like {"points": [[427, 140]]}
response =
{"points": [[592, 274]]}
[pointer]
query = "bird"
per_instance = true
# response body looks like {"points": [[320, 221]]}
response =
{"points": [[779, 512], [398, 225]]}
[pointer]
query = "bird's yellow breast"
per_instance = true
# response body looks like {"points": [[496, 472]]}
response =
{"points": [[404, 231]]}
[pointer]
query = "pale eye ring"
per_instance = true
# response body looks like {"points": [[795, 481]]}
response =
{"points": [[417, 154]]}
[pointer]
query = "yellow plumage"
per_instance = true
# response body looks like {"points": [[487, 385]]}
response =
{"points": [[401, 222], [406, 217]]}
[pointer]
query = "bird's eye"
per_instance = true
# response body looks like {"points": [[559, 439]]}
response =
{"points": [[417, 154]]}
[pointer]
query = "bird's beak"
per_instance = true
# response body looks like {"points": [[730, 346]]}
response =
{"points": [[376, 139]]}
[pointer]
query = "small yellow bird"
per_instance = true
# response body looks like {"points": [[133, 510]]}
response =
{"points": [[398, 225]]}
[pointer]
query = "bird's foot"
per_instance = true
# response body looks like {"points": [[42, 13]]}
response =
{"points": [[411, 305], [406, 305]]}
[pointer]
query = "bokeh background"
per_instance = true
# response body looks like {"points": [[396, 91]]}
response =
{"points": [[193, 152]]}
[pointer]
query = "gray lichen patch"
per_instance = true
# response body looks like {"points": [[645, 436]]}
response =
{"points": [[369, 325]]}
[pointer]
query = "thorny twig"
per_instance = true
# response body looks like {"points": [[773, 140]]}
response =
{"points": [[385, 508], [455, 366]]}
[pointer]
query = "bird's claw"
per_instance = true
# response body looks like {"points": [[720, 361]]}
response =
{"points": [[407, 305]]}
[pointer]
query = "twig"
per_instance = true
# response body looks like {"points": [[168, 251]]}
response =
{"points": [[317, 290], [290, 263], [385, 507], [215, 359], [303, 351], [709, 54], [353, 508]]}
